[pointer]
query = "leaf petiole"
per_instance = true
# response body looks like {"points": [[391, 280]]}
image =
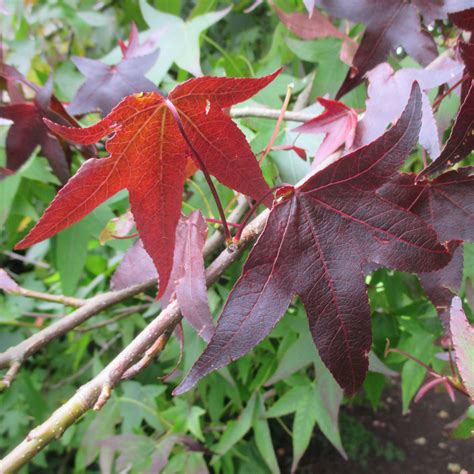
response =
{"points": [[175, 114], [253, 208]]}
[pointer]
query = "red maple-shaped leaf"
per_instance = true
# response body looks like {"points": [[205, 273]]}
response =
{"points": [[315, 244], [447, 204], [389, 24], [338, 122], [148, 156]]}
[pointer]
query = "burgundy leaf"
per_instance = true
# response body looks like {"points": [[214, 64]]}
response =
{"points": [[315, 244], [463, 341], [187, 279], [389, 90], [28, 132], [464, 19], [316, 25], [136, 267], [106, 86], [338, 122], [467, 55], [447, 204], [427, 386], [301, 152], [132, 48], [309, 27], [390, 23], [434, 10]]}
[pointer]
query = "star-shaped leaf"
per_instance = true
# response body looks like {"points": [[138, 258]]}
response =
{"points": [[447, 204], [106, 86], [389, 90], [338, 122], [389, 24], [28, 131], [177, 39], [148, 156], [315, 244]]}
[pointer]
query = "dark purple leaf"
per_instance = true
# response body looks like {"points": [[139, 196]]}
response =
{"points": [[136, 267], [28, 132], [438, 9], [464, 19], [187, 278], [447, 204], [315, 245], [106, 86], [390, 23]]}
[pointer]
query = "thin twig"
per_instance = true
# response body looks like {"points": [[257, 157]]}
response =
{"points": [[10, 375], [100, 387], [120, 314], [22, 258], [276, 129], [439, 99], [39, 295], [260, 112], [95, 305], [150, 354], [92, 307]]}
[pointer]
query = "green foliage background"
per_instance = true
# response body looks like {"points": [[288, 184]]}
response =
{"points": [[241, 413]]}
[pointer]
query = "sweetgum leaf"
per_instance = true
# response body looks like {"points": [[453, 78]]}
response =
{"points": [[463, 341], [177, 39], [28, 130], [390, 23], [447, 204], [440, 9], [148, 156], [188, 278], [317, 25], [464, 19], [106, 86], [338, 122], [315, 244], [389, 90], [461, 140], [135, 268]]}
